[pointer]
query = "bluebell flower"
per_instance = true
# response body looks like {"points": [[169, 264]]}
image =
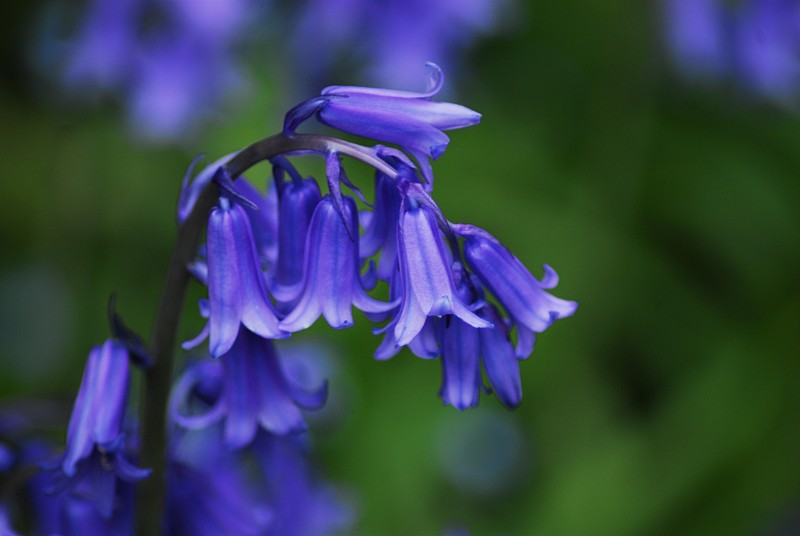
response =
{"points": [[248, 388], [95, 457], [236, 286], [697, 35], [298, 199], [767, 47], [301, 503], [411, 120], [753, 42], [462, 348], [208, 489], [171, 74], [331, 283], [426, 276], [380, 229], [105, 46], [391, 39], [531, 308]]}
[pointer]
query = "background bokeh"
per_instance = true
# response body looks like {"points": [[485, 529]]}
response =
{"points": [[668, 404]]}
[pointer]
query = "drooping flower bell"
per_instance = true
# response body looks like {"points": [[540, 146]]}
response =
{"points": [[531, 308], [249, 389], [96, 446], [426, 275], [331, 283], [411, 120], [236, 288], [298, 199], [380, 233]]}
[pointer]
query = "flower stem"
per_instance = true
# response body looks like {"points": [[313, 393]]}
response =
{"points": [[151, 498]]}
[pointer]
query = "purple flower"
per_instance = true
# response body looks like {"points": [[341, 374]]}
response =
{"points": [[426, 275], [236, 287], [380, 230], [300, 502], [331, 284], [410, 120], [530, 307], [248, 388], [391, 38], [696, 35], [171, 74], [298, 199], [208, 489], [755, 41], [95, 458], [767, 47]]}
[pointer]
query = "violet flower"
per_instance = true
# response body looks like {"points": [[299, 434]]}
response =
{"points": [[170, 74], [236, 287], [208, 489], [754, 42], [95, 456], [301, 503], [428, 288], [298, 199], [391, 39], [331, 284], [411, 120], [249, 389], [380, 231], [531, 308]]}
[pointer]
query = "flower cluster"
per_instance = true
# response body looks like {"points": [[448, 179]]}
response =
{"points": [[274, 262], [439, 275], [754, 42]]}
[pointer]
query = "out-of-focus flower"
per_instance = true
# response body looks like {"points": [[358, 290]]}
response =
{"points": [[249, 390], [391, 39], [301, 503], [172, 73], [208, 489], [753, 42]]}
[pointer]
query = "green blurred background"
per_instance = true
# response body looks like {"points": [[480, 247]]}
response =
{"points": [[667, 405]]}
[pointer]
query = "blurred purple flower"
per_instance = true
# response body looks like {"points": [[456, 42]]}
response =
{"points": [[172, 73], [755, 42], [392, 39], [248, 388], [302, 504], [208, 489]]}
